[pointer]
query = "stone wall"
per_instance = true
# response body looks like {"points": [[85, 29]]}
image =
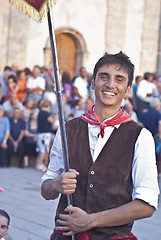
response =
{"points": [[116, 15], [105, 25], [150, 36], [14, 36]]}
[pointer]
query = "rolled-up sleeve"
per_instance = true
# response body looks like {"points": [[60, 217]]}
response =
{"points": [[56, 164], [144, 170]]}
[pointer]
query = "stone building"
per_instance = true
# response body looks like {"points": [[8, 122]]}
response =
{"points": [[84, 31]]}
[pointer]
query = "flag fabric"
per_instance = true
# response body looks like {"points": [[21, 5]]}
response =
{"points": [[35, 9]]}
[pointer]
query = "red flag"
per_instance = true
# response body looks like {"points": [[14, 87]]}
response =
{"points": [[36, 3], [35, 9]]}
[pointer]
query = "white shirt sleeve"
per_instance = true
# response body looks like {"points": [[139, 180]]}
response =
{"points": [[141, 91], [77, 82], [29, 82], [56, 164], [41, 83], [144, 170]]}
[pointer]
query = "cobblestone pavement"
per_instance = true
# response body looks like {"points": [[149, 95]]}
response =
{"points": [[32, 217]]}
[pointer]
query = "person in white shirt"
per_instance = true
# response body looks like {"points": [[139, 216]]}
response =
{"points": [[35, 85], [80, 86], [146, 92], [13, 102], [113, 175], [4, 223]]}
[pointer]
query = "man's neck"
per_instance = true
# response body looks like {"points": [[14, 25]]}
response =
{"points": [[15, 120], [107, 112]]}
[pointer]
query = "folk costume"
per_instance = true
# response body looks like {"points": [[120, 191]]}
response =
{"points": [[98, 188]]}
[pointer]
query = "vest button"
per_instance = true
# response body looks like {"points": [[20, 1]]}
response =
{"points": [[92, 172], [91, 185]]}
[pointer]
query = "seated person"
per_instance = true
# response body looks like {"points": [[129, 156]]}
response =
{"points": [[9, 105], [15, 143], [11, 86]]}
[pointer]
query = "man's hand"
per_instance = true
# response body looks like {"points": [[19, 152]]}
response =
{"points": [[150, 95], [66, 182], [77, 221], [15, 145], [4, 145]]}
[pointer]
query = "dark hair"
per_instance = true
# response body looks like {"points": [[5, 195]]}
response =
{"points": [[27, 71], [4, 214], [12, 77], [137, 78], [46, 103], [120, 59], [38, 67], [66, 78], [19, 72], [16, 108], [81, 68], [7, 68], [147, 75]]}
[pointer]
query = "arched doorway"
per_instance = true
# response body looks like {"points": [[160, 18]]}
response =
{"points": [[71, 50], [66, 49]]}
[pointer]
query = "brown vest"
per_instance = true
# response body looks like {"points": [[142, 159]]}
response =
{"points": [[107, 183]]}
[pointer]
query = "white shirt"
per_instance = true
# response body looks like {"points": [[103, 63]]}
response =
{"points": [[145, 88], [38, 82], [81, 84], [7, 106], [144, 171]]}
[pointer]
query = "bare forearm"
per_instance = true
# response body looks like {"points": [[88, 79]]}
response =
{"points": [[11, 138], [48, 189], [127, 213], [6, 136], [77, 93], [21, 136], [81, 221]]}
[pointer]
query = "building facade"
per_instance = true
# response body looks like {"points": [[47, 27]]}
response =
{"points": [[84, 31]]}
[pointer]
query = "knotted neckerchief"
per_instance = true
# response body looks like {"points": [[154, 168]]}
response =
{"points": [[91, 117]]}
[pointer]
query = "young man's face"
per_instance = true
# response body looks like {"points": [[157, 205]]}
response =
{"points": [[3, 226], [110, 85]]}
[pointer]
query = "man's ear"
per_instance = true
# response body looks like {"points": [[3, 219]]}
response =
{"points": [[128, 91], [93, 84]]}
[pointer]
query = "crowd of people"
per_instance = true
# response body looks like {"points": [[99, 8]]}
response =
{"points": [[29, 114]]}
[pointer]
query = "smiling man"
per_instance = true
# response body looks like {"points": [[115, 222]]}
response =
{"points": [[113, 175]]}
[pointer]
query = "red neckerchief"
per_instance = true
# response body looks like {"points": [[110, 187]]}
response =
{"points": [[91, 117]]}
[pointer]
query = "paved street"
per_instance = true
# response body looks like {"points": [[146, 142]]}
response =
{"points": [[32, 217]]}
